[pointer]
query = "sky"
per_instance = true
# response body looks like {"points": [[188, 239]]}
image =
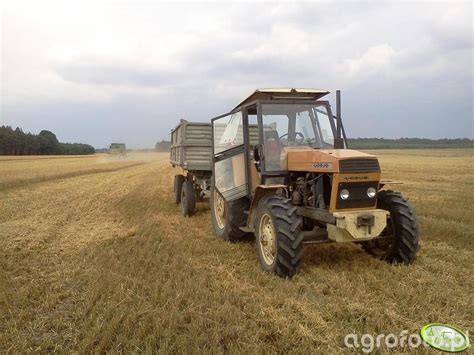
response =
{"points": [[101, 71]]}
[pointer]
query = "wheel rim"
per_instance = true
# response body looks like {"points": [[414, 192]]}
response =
{"points": [[219, 210], [183, 198], [267, 239]]}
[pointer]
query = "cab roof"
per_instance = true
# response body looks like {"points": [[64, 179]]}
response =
{"points": [[283, 93]]}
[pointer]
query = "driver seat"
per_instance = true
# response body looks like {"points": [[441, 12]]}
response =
{"points": [[273, 147]]}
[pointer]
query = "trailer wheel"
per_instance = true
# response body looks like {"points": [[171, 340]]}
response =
{"points": [[279, 237], [401, 243], [178, 184], [188, 199], [228, 217]]}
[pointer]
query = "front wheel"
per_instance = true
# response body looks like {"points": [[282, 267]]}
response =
{"points": [[279, 236], [399, 243]]}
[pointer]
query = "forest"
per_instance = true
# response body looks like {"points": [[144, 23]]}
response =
{"points": [[384, 143], [17, 142], [409, 143]]}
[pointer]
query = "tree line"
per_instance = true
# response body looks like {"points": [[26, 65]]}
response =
{"points": [[407, 143], [383, 143], [17, 142]]}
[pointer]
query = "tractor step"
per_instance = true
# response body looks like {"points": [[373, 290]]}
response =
{"points": [[246, 229]]}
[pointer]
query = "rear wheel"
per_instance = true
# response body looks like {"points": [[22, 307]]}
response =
{"points": [[228, 217], [279, 236], [178, 184], [400, 237], [188, 198]]}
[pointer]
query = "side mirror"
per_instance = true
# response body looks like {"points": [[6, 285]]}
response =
{"points": [[257, 156]]}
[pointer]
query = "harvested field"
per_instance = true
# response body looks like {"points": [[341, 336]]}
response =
{"points": [[95, 256]]}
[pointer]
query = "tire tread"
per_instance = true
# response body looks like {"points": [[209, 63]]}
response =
{"points": [[288, 233], [405, 245]]}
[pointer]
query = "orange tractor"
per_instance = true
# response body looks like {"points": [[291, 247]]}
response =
{"points": [[281, 170]]}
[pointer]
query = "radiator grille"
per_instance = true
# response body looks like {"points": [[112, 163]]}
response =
{"points": [[359, 166]]}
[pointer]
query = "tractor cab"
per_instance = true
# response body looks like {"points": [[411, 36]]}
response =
{"points": [[255, 136]]}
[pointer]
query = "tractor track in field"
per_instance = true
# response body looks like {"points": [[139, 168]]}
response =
{"points": [[21, 183], [17, 158]]}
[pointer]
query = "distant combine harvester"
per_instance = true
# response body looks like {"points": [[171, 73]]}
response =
{"points": [[118, 150]]}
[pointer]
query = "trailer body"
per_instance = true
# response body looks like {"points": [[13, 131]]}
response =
{"points": [[191, 150], [191, 146]]}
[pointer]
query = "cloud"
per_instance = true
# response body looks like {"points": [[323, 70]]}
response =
{"points": [[155, 63], [113, 74], [453, 27], [374, 60]]}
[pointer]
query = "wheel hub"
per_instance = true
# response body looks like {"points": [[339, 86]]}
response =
{"points": [[267, 239]]}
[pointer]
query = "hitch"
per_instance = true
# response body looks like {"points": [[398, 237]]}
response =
{"points": [[366, 219]]}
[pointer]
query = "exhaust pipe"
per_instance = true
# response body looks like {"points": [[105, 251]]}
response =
{"points": [[338, 141]]}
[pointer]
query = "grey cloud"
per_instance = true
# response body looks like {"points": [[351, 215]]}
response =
{"points": [[423, 89], [114, 74]]}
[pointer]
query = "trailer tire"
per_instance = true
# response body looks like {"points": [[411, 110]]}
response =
{"points": [[402, 225], [188, 199], [279, 238], [226, 225], [178, 184]]}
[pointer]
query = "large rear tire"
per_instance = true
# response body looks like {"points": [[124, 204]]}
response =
{"points": [[279, 237], [228, 217], [188, 199], [402, 236], [178, 184]]}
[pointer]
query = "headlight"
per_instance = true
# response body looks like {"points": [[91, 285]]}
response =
{"points": [[344, 194], [371, 192]]}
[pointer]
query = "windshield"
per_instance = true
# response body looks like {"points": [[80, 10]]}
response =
{"points": [[295, 125]]}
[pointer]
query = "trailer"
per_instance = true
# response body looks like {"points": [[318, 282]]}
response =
{"points": [[191, 150]]}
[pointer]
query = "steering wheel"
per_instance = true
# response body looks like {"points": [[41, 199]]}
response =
{"points": [[297, 134]]}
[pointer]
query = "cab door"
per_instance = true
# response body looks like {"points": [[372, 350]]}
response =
{"points": [[230, 155]]}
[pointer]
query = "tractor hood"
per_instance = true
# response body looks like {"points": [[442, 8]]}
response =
{"points": [[328, 160]]}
